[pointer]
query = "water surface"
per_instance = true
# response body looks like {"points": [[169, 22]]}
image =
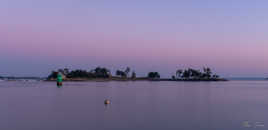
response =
{"points": [[233, 105]]}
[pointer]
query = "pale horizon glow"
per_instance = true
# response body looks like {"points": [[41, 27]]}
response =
{"points": [[229, 36]]}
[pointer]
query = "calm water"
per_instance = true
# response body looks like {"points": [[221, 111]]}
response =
{"points": [[233, 105]]}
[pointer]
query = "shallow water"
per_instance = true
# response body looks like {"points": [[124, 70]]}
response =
{"points": [[233, 105]]}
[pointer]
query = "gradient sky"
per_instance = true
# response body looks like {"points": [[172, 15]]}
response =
{"points": [[230, 36]]}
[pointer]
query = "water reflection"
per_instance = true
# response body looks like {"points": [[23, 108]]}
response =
{"points": [[136, 105]]}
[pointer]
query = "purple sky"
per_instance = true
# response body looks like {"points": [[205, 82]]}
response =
{"points": [[230, 36]]}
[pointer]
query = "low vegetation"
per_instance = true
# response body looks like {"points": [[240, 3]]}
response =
{"points": [[193, 74], [105, 74], [153, 75], [95, 73]]}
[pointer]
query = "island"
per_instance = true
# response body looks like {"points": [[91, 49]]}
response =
{"points": [[104, 74]]}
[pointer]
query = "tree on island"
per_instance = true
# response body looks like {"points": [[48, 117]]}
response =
{"points": [[66, 71], [194, 74], [80, 74], [207, 72], [101, 72], [123, 74], [120, 73], [179, 73], [127, 71], [95, 73], [173, 77], [133, 75], [186, 74], [153, 75]]}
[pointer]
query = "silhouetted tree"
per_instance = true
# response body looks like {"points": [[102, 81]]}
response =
{"points": [[80, 74], [153, 75], [173, 77], [65, 71], [179, 73], [207, 72], [118, 73], [102, 72], [127, 71], [186, 74], [121, 74], [133, 75], [196, 74], [95, 73]]}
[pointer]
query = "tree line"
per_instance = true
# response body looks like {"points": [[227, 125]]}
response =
{"points": [[99, 72], [102, 72], [195, 74]]}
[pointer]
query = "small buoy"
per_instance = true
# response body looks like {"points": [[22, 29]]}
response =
{"points": [[59, 80], [106, 102]]}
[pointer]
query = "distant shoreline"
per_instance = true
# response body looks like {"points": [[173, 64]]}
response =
{"points": [[104, 74], [137, 79]]}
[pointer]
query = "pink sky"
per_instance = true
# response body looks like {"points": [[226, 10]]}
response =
{"points": [[38, 39]]}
